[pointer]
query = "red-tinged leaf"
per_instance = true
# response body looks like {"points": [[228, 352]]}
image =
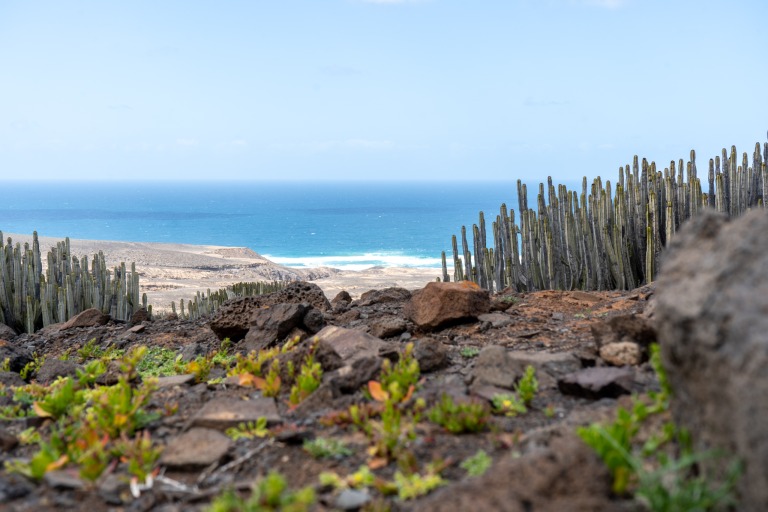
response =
{"points": [[40, 411], [409, 394], [57, 464], [248, 379], [378, 462], [377, 392]]}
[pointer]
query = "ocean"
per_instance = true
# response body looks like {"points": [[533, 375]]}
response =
{"points": [[343, 225]]}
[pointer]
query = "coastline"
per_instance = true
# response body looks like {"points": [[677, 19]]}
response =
{"points": [[170, 272]]}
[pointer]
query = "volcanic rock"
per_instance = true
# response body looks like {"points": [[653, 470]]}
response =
{"points": [[598, 382], [441, 304], [394, 294], [712, 323], [227, 413], [388, 327], [271, 325], [88, 318], [196, 448], [494, 367], [431, 354], [51, 369]]}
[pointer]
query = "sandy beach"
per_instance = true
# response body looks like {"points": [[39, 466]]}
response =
{"points": [[171, 272]]}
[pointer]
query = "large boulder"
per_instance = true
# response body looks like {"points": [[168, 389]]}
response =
{"points": [[712, 324], [88, 318], [233, 319], [442, 304]]}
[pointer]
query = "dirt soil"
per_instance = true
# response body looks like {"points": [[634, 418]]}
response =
{"points": [[538, 463]]}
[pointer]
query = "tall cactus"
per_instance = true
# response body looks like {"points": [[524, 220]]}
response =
{"points": [[31, 298], [606, 237]]}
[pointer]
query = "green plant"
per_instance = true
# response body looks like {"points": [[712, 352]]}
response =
{"points": [[59, 400], [360, 479], [399, 380], [92, 370], [664, 477], [414, 485], [459, 418], [307, 381], [528, 386], [249, 430], [158, 362], [508, 404], [477, 464], [139, 453], [268, 494], [6, 365], [90, 350], [469, 352], [326, 448]]}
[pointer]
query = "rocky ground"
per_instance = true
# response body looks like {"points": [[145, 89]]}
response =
{"points": [[589, 351]]}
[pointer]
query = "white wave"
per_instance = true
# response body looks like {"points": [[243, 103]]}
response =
{"points": [[357, 261]]}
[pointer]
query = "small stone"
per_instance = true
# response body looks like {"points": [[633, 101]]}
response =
{"points": [[271, 325], [138, 316], [230, 412], [6, 332], [598, 382], [394, 294], [88, 318], [431, 354], [342, 297], [136, 329], [52, 369], [351, 499], [496, 319], [196, 448], [622, 353], [11, 379], [175, 380], [63, 479], [388, 327], [351, 344], [494, 367], [8, 441]]}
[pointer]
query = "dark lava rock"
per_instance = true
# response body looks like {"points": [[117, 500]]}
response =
{"points": [[272, 324], [388, 327], [711, 306], [494, 367], [394, 294], [351, 344], [442, 304], [313, 320], [6, 333], [195, 448], [11, 379], [343, 297], [431, 354], [52, 369], [140, 315], [17, 357], [598, 382], [351, 378], [233, 318]]}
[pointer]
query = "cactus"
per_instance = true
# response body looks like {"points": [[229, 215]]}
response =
{"points": [[31, 298], [606, 237]]}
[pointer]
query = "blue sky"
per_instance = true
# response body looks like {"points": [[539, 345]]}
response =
{"points": [[376, 89]]}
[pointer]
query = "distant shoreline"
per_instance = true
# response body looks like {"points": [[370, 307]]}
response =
{"points": [[171, 272]]}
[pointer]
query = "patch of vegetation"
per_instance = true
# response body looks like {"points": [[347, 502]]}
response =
{"points": [[477, 464], [271, 493], [360, 479], [469, 352], [458, 418], [512, 404], [308, 380], [249, 430], [393, 391], [159, 362], [90, 427], [663, 472], [326, 448]]}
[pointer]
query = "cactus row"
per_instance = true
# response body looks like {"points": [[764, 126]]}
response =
{"points": [[604, 237], [205, 305], [31, 298]]}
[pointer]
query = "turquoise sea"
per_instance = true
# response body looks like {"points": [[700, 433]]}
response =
{"points": [[344, 225]]}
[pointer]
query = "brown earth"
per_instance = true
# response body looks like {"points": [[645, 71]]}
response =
{"points": [[539, 464]]}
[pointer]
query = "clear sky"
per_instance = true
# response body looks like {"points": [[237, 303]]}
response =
{"points": [[375, 89]]}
